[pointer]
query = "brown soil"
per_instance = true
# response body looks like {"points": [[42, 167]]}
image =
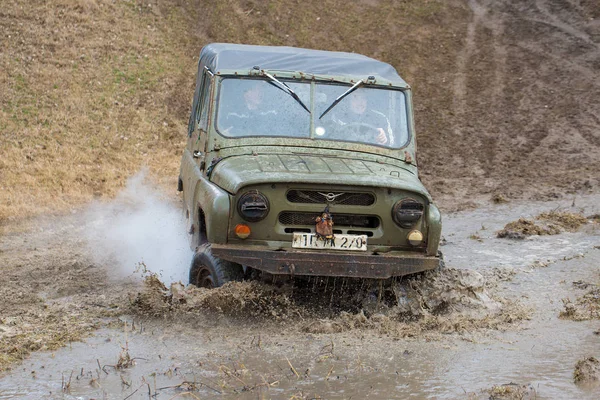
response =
{"points": [[53, 294], [253, 300]]}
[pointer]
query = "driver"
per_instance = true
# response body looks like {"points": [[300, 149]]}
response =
{"points": [[254, 117], [364, 120]]}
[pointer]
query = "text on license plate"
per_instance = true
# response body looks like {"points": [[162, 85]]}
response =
{"points": [[339, 242]]}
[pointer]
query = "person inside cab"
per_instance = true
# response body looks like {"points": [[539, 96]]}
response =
{"points": [[359, 118], [253, 116]]}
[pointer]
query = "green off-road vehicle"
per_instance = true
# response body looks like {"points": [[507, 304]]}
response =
{"points": [[302, 162]]}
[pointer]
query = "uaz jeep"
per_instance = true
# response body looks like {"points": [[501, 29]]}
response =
{"points": [[302, 162]]}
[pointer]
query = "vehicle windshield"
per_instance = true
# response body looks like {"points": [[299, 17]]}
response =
{"points": [[259, 107]]}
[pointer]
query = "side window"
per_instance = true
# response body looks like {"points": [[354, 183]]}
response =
{"points": [[203, 108], [194, 113], [192, 120]]}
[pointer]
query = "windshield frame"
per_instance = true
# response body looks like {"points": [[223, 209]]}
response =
{"points": [[312, 140]]}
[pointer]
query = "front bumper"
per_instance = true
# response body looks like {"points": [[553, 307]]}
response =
{"points": [[320, 263]]}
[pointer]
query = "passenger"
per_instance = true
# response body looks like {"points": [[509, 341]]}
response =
{"points": [[362, 122]]}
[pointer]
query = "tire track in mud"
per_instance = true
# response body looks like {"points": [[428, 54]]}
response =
{"points": [[464, 59], [572, 58], [525, 96], [483, 45], [555, 21], [460, 82]]}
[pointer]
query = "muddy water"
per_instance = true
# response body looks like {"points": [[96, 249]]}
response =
{"points": [[214, 357]]}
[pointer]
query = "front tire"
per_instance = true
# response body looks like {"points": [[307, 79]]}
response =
{"points": [[209, 271]]}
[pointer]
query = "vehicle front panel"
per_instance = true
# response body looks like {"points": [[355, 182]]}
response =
{"points": [[355, 211]]}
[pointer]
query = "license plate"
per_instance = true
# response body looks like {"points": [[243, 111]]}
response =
{"points": [[339, 242]]}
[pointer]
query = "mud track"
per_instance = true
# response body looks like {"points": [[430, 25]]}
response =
{"points": [[492, 322]]}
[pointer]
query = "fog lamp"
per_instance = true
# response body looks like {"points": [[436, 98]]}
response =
{"points": [[415, 237], [242, 231]]}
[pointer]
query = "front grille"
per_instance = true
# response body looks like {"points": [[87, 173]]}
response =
{"points": [[338, 197], [339, 220]]}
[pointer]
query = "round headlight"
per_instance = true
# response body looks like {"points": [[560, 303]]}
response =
{"points": [[407, 212], [253, 206]]}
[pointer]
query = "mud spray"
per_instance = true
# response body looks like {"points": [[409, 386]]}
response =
{"points": [[140, 230]]}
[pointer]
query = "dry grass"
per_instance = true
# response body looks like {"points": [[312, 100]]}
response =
{"points": [[91, 90], [567, 220], [94, 89]]}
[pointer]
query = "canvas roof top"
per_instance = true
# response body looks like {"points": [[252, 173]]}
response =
{"points": [[226, 56]]}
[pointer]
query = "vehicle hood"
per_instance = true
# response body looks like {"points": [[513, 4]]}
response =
{"points": [[235, 172]]}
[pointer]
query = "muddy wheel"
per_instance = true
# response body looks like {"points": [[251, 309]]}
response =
{"points": [[210, 272]]}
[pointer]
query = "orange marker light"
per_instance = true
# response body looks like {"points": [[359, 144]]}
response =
{"points": [[242, 231]]}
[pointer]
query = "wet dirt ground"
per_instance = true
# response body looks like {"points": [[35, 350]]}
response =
{"points": [[220, 355]]}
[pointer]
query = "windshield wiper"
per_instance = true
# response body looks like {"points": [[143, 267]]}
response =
{"points": [[287, 89], [341, 96]]}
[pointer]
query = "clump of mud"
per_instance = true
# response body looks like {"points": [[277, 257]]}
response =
{"points": [[585, 307], [512, 391], [499, 274], [238, 299], [548, 223], [154, 298], [540, 264], [594, 218], [447, 301], [526, 227], [499, 198], [587, 371]]}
